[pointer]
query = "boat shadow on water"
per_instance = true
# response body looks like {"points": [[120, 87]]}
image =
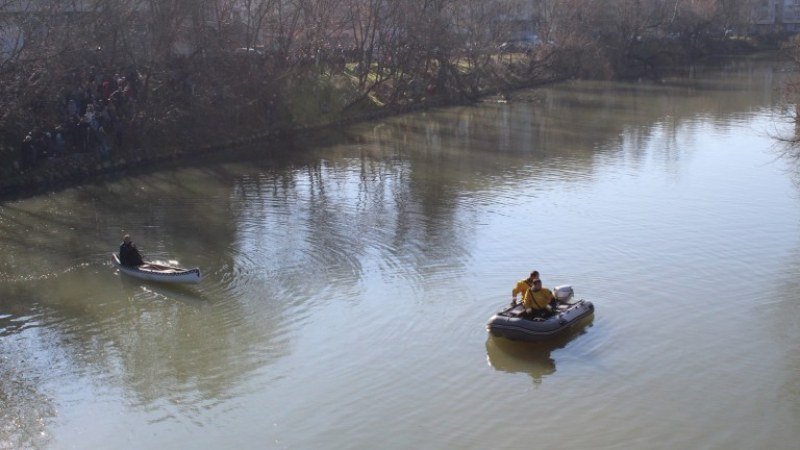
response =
{"points": [[534, 358], [140, 289]]}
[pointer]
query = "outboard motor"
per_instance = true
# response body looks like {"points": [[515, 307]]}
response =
{"points": [[563, 293]]}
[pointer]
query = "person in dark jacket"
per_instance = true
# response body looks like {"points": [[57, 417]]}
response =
{"points": [[28, 153], [128, 253]]}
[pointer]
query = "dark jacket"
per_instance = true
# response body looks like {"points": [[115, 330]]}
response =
{"points": [[129, 255]]}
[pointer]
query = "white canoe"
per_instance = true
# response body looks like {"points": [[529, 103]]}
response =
{"points": [[159, 272]]}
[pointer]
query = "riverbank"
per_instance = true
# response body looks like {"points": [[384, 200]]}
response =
{"points": [[61, 172], [55, 173]]}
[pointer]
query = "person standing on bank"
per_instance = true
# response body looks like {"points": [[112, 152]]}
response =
{"points": [[128, 253], [523, 286]]}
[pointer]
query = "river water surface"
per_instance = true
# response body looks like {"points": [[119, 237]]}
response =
{"points": [[348, 279]]}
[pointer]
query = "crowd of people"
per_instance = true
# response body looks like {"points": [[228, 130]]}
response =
{"points": [[93, 116]]}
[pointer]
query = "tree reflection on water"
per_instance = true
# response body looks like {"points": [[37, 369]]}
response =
{"points": [[26, 412], [533, 358]]}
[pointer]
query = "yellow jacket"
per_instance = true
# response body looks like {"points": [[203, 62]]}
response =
{"points": [[537, 300], [521, 288]]}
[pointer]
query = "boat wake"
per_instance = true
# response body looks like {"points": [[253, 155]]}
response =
{"points": [[31, 277]]}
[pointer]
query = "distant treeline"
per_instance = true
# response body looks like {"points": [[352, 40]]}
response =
{"points": [[110, 78]]}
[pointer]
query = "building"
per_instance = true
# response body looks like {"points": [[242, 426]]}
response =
{"points": [[776, 16]]}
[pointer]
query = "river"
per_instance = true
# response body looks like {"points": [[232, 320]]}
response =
{"points": [[348, 278]]}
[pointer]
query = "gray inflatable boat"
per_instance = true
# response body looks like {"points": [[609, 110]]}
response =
{"points": [[512, 323]]}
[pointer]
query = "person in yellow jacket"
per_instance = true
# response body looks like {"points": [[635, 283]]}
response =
{"points": [[523, 286], [537, 298]]}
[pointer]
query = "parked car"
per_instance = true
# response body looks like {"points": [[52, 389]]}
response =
{"points": [[515, 46], [257, 51], [519, 45]]}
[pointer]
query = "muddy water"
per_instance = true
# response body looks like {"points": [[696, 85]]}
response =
{"points": [[348, 279]]}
